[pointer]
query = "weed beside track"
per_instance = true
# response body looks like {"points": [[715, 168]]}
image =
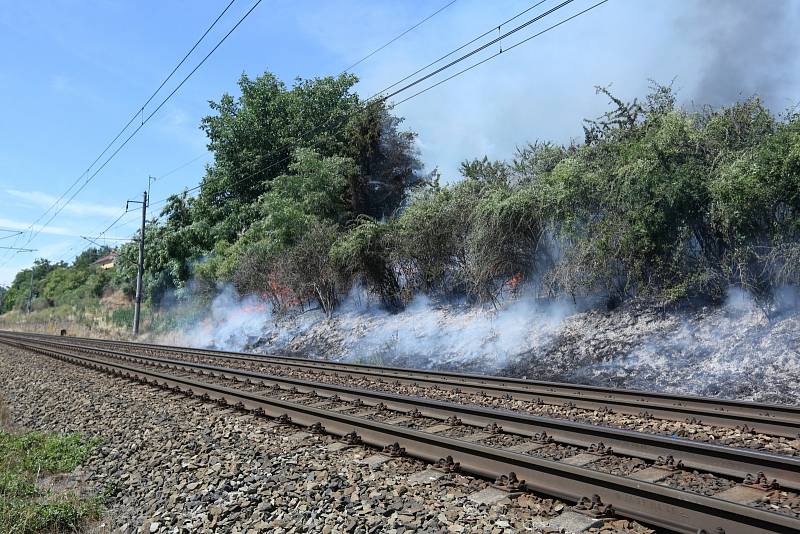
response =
{"points": [[32, 496]]}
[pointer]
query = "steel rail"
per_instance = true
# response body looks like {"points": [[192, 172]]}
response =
{"points": [[653, 504], [729, 461], [773, 419]]}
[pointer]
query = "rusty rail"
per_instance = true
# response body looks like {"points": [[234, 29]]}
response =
{"points": [[734, 462], [773, 419], [650, 503]]}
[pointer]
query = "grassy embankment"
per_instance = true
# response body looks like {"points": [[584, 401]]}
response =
{"points": [[108, 317]]}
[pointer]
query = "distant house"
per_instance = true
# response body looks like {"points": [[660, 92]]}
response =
{"points": [[107, 262]]}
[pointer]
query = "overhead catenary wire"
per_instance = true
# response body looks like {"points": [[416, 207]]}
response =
{"points": [[118, 220], [139, 111], [14, 234], [145, 120], [19, 249], [463, 46], [109, 238], [415, 26], [182, 166], [377, 97], [99, 235], [478, 49], [500, 52]]}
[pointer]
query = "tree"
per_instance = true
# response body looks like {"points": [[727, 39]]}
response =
{"points": [[387, 159], [17, 295], [254, 137], [284, 158]]}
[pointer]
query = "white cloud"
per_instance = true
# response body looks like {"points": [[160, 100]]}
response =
{"points": [[7, 274], [178, 125], [75, 208], [53, 230]]}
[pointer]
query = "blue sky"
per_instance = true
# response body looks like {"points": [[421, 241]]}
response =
{"points": [[73, 71]]}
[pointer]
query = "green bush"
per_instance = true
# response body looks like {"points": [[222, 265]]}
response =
{"points": [[122, 317], [363, 254]]}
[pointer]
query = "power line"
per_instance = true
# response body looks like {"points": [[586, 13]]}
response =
{"points": [[136, 114], [100, 235], [463, 46], [479, 49], [500, 52], [375, 98], [183, 166], [113, 224], [14, 234], [19, 249], [145, 120], [415, 26], [126, 211], [90, 240]]}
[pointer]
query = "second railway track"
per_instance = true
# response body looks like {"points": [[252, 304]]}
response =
{"points": [[490, 442], [773, 419]]}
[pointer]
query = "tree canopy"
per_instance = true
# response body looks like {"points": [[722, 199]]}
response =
{"points": [[312, 191]]}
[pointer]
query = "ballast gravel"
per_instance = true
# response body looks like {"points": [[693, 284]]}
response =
{"points": [[693, 430], [174, 464]]}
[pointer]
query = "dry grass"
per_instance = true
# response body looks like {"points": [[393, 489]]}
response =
{"points": [[5, 415], [47, 322]]}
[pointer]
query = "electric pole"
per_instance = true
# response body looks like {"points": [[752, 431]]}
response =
{"points": [[30, 290], [137, 310]]}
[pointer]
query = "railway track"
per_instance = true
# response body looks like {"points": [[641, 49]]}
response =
{"points": [[554, 457], [773, 419]]}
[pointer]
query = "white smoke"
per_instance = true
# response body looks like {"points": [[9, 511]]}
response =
{"points": [[230, 323], [449, 336], [737, 350], [423, 335]]}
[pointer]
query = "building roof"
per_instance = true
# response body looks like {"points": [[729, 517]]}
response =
{"points": [[106, 259]]}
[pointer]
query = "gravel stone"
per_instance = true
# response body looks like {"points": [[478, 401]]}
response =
{"points": [[178, 464], [693, 430]]}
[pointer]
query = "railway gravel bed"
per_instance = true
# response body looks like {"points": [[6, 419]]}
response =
{"points": [[688, 429], [179, 465], [784, 502], [492, 436], [603, 460], [770, 419]]}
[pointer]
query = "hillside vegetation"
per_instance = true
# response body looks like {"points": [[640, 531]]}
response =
{"points": [[311, 191]]}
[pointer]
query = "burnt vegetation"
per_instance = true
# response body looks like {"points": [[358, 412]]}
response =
{"points": [[657, 203]]}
